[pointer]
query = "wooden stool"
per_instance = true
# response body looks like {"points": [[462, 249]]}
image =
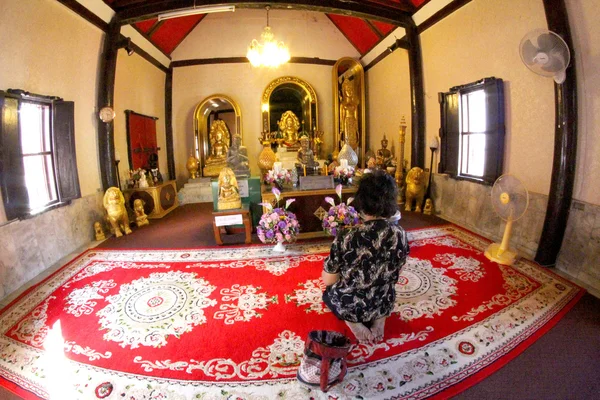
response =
{"points": [[236, 216]]}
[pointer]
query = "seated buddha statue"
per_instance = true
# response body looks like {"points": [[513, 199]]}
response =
{"points": [[217, 157], [237, 157], [288, 127], [306, 158], [384, 157], [229, 193]]}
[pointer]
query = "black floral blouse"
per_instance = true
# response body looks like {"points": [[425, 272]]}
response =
{"points": [[368, 258]]}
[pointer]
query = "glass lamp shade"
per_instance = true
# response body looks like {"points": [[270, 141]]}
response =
{"points": [[269, 53]]}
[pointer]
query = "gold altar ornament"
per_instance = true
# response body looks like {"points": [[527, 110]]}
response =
{"points": [[141, 218], [114, 203], [415, 188], [428, 209], [399, 177], [99, 232], [229, 193], [192, 166], [267, 157]]}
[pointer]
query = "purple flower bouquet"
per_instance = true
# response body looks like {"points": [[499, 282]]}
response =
{"points": [[277, 225], [339, 216]]}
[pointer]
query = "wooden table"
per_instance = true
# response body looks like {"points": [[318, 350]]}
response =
{"points": [[309, 207], [236, 216]]}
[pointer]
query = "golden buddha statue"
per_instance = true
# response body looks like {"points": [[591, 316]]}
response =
{"points": [[288, 126], [237, 157], [384, 156], [229, 193], [217, 157], [349, 114]]}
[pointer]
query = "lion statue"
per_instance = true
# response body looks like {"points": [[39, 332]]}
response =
{"points": [[415, 188], [141, 218], [114, 203]]}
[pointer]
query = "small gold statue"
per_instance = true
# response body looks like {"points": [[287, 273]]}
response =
{"points": [[415, 188], [289, 125], [99, 231], [219, 146], [237, 157], [384, 156], [229, 193], [428, 209], [141, 218], [114, 203]]}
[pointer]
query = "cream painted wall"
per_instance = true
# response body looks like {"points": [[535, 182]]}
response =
{"points": [[307, 34], [140, 87], [474, 43], [245, 86], [585, 30], [388, 99], [59, 59]]}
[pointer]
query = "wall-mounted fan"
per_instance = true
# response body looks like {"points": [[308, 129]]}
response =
{"points": [[545, 53], [510, 200]]}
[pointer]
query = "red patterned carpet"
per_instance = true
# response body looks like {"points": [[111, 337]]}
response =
{"points": [[231, 323]]}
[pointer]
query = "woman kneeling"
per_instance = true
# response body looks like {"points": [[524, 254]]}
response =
{"points": [[364, 263]]}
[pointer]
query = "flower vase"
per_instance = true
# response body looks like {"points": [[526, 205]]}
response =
{"points": [[279, 247]]}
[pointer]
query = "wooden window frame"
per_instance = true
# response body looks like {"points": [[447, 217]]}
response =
{"points": [[451, 130], [62, 144]]}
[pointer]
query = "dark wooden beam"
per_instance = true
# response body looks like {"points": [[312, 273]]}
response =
{"points": [[398, 44], [565, 144], [169, 123], [240, 60], [441, 14], [85, 13], [397, 14], [417, 98], [106, 97]]}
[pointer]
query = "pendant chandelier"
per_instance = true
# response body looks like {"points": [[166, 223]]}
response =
{"points": [[269, 53]]}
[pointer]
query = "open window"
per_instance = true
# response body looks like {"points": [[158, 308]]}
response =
{"points": [[38, 167], [472, 131]]}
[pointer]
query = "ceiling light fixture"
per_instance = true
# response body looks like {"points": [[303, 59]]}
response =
{"points": [[269, 53], [195, 10]]}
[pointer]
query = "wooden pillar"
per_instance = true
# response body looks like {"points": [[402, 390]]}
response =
{"points": [[106, 94], [417, 97], [169, 122], [565, 144]]}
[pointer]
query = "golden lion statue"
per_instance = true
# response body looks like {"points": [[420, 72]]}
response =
{"points": [[114, 203], [415, 188]]}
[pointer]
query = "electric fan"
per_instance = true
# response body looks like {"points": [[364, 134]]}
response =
{"points": [[510, 200], [545, 53]]}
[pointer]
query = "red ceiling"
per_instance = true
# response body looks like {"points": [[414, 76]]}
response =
{"points": [[363, 34]]}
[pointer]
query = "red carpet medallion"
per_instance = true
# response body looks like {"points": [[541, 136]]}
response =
{"points": [[231, 323]]}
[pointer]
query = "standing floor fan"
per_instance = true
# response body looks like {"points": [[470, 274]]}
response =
{"points": [[510, 200]]}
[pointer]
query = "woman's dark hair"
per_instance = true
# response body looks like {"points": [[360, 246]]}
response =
{"points": [[377, 195]]}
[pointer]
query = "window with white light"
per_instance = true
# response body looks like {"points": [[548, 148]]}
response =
{"points": [[472, 131]]}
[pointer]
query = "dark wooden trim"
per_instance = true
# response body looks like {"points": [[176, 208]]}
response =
{"points": [[441, 14], [374, 28], [169, 123], [142, 53], [241, 60], [140, 114], [154, 28], [398, 44], [149, 39], [565, 144], [417, 99], [85, 14], [394, 13], [106, 97]]}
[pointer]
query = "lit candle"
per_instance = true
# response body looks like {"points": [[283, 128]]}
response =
{"points": [[277, 166], [344, 163], [304, 166]]}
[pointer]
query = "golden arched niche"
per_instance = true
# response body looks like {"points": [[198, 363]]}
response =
{"points": [[212, 108], [349, 105], [289, 93]]}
